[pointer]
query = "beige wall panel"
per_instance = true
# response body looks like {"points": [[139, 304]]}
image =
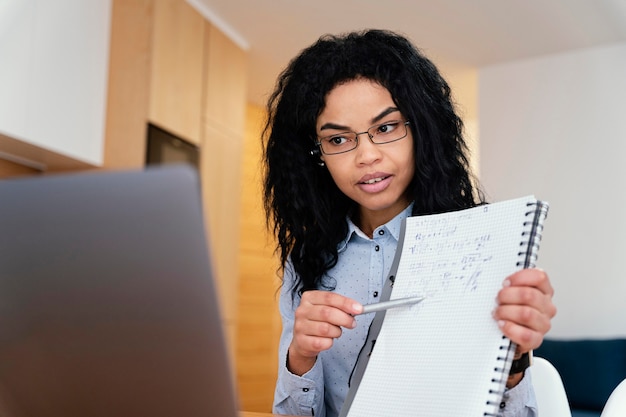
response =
{"points": [[259, 261], [258, 325], [129, 84], [256, 237], [225, 90], [220, 171], [177, 68]]}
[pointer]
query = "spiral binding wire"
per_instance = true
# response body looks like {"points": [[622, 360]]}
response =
{"points": [[531, 238], [501, 371]]}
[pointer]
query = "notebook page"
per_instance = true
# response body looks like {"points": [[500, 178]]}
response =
{"points": [[437, 358]]}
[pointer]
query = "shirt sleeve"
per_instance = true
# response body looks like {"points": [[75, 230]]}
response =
{"points": [[520, 400], [295, 395]]}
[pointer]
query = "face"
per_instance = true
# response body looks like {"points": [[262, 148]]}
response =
{"points": [[375, 176]]}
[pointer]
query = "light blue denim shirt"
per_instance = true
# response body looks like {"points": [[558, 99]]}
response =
{"points": [[361, 270]]}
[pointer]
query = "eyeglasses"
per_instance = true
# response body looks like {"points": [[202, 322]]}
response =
{"points": [[378, 134]]}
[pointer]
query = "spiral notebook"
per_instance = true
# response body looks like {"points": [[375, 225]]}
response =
{"points": [[446, 356]]}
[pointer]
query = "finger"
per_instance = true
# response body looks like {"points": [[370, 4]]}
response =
{"points": [[310, 327], [525, 338], [309, 345], [320, 317], [327, 298], [532, 277], [526, 287], [524, 296], [523, 325], [312, 336], [523, 316], [527, 296]]}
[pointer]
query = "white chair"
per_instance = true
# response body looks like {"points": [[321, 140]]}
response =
{"points": [[549, 389], [616, 404]]}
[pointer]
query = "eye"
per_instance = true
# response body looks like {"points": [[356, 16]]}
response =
{"points": [[337, 140], [386, 128]]}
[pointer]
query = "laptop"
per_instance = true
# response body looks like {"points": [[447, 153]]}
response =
{"points": [[107, 301]]}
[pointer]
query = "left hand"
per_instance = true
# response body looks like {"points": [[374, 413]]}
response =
{"points": [[525, 308]]}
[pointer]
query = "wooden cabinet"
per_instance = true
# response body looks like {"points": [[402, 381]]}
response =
{"points": [[258, 320], [10, 169], [225, 88], [129, 84], [176, 72], [171, 67], [53, 82], [198, 91], [223, 123]]}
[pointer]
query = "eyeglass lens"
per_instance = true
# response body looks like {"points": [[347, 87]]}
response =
{"points": [[379, 134]]}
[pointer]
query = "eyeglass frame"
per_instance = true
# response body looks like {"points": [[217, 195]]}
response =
{"points": [[318, 143]]}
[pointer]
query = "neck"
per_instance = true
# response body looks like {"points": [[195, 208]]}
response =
{"points": [[369, 220]]}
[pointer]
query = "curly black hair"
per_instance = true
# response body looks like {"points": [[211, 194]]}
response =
{"points": [[305, 209]]}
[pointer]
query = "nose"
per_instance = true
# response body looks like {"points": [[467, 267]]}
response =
{"points": [[367, 152]]}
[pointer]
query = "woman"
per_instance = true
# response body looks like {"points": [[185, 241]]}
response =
{"points": [[362, 133]]}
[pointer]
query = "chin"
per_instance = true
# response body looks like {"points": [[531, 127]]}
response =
{"points": [[398, 204]]}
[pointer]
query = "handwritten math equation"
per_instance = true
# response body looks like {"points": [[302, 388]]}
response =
{"points": [[444, 255]]}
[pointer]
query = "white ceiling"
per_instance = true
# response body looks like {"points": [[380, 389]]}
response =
{"points": [[456, 34]]}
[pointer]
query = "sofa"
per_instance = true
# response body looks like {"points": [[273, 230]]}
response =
{"points": [[590, 370]]}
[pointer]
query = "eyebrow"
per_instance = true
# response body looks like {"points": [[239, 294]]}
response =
{"points": [[374, 120]]}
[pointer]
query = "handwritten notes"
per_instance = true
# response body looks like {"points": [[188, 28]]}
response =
{"points": [[442, 356], [440, 256]]}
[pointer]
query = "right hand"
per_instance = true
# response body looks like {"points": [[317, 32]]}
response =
{"points": [[318, 321]]}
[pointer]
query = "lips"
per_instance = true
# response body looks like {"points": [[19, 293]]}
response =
{"points": [[374, 183], [373, 180], [373, 177]]}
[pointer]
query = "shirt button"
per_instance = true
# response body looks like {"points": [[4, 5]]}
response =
{"points": [[502, 405], [377, 248], [305, 389], [375, 293], [381, 232]]}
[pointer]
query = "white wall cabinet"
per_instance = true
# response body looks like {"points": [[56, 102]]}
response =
{"points": [[53, 79]]}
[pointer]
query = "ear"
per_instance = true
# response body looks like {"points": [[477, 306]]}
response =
{"points": [[315, 153]]}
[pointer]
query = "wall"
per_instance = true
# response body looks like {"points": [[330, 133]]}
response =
{"points": [[554, 127], [259, 327], [464, 85]]}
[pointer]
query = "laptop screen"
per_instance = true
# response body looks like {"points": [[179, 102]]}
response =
{"points": [[107, 301]]}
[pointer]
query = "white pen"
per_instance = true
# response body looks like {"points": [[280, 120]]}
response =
{"points": [[384, 305]]}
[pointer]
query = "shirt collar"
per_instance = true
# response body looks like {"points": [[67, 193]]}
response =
{"points": [[393, 226]]}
